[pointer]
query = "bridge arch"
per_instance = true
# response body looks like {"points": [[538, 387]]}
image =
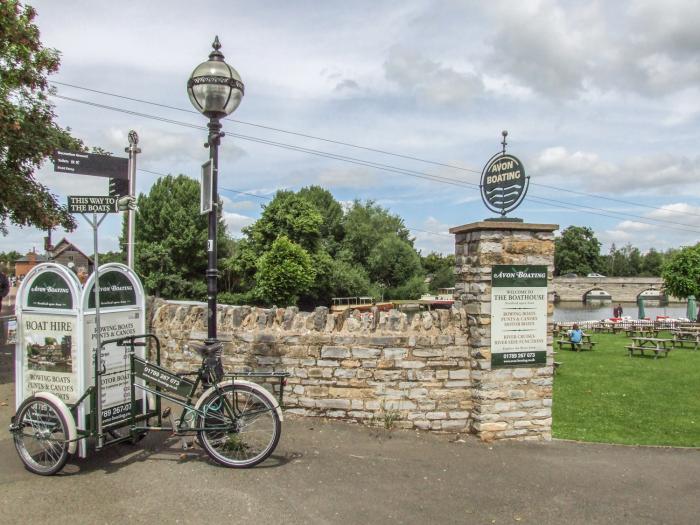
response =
{"points": [[590, 295]]}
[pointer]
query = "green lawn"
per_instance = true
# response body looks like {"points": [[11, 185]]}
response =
{"points": [[605, 396]]}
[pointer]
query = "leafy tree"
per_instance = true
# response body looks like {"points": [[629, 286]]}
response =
{"points": [[284, 273], [681, 273], [413, 288], [577, 250], [441, 270], [635, 260], [651, 263], [10, 257], [171, 237], [108, 257], [331, 228], [290, 215], [366, 225], [28, 133], [393, 261]]}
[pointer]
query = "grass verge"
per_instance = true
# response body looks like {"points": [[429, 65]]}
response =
{"points": [[605, 396]]}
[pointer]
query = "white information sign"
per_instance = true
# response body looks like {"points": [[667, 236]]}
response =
{"points": [[518, 315], [122, 314], [47, 340]]}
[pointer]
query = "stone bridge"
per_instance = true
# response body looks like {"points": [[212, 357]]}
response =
{"points": [[622, 289]]}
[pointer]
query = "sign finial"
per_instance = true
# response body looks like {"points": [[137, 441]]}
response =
{"points": [[504, 143]]}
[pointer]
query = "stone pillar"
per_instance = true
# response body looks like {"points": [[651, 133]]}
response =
{"points": [[508, 403]]}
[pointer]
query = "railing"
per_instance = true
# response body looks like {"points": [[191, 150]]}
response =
{"points": [[628, 324]]}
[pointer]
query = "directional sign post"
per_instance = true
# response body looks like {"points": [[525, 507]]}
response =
{"points": [[105, 205], [91, 164], [88, 204]]}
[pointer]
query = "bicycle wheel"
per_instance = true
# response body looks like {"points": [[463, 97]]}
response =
{"points": [[42, 438], [248, 437]]}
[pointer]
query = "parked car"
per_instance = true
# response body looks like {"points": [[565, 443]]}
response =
{"points": [[569, 275], [594, 275]]}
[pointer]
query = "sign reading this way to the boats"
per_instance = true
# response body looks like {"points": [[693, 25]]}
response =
{"points": [[89, 204], [503, 183]]}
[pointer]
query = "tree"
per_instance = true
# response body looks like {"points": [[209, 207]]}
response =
{"points": [[28, 133], [284, 273], [681, 273], [171, 238], [287, 214], [393, 261], [651, 263], [577, 250], [331, 228], [366, 225], [440, 269]]}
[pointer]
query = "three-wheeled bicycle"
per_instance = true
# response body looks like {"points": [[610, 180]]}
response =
{"points": [[235, 420]]}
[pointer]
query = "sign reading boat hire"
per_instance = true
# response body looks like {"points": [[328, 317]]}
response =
{"points": [[518, 315], [503, 183]]}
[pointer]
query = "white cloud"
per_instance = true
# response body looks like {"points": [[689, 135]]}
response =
{"points": [[430, 81], [235, 222], [348, 178], [638, 174], [433, 236]]}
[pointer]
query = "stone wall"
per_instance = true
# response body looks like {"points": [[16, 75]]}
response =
{"points": [[513, 402], [371, 367]]}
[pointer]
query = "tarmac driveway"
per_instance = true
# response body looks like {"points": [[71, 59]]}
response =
{"points": [[325, 472]]}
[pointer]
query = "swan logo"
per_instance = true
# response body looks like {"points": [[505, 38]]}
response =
{"points": [[503, 183]]}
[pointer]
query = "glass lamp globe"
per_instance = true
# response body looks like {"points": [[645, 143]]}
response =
{"points": [[215, 88]]}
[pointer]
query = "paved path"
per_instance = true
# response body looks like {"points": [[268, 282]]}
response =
{"points": [[341, 473]]}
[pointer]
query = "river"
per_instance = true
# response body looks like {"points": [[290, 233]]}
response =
{"points": [[576, 311]]}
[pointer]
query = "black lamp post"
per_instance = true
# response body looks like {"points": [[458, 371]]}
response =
{"points": [[216, 90]]}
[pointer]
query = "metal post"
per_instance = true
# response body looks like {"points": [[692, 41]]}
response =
{"points": [[97, 409], [132, 150], [212, 273]]}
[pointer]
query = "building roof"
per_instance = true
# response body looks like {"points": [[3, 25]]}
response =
{"points": [[38, 258], [64, 244]]}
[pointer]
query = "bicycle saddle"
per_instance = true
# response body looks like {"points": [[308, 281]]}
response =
{"points": [[208, 350]]}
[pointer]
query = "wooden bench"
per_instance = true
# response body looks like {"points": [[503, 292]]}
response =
{"points": [[650, 344], [641, 332], [583, 345], [641, 349], [681, 337]]}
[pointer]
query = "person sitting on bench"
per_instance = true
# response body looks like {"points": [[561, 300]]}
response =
{"points": [[575, 334]]}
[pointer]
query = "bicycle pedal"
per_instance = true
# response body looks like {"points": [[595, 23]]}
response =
{"points": [[185, 445]]}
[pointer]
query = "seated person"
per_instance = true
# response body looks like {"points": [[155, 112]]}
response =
{"points": [[576, 334]]}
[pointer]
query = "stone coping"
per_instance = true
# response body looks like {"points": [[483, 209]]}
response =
{"points": [[504, 225]]}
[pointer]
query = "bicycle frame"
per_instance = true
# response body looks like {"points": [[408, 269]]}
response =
{"points": [[174, 387]]}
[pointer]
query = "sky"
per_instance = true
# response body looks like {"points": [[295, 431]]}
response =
{"points": [[601, 101]]}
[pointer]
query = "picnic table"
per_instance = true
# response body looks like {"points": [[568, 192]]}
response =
{"points": [[561, 328], [609, 327], [682, 336], [585, 344], [641, 331], [658, 345]]}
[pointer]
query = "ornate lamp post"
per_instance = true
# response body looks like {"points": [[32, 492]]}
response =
{"points": [[216, 90]]}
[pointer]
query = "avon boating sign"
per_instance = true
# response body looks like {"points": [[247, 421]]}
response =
{"points": [[503, 183], [518, 315]]}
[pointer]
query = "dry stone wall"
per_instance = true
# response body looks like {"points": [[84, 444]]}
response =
{"points": [[374, 367]]}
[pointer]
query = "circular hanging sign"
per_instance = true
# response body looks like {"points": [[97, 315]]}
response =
{"points": [[503, 183]]}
